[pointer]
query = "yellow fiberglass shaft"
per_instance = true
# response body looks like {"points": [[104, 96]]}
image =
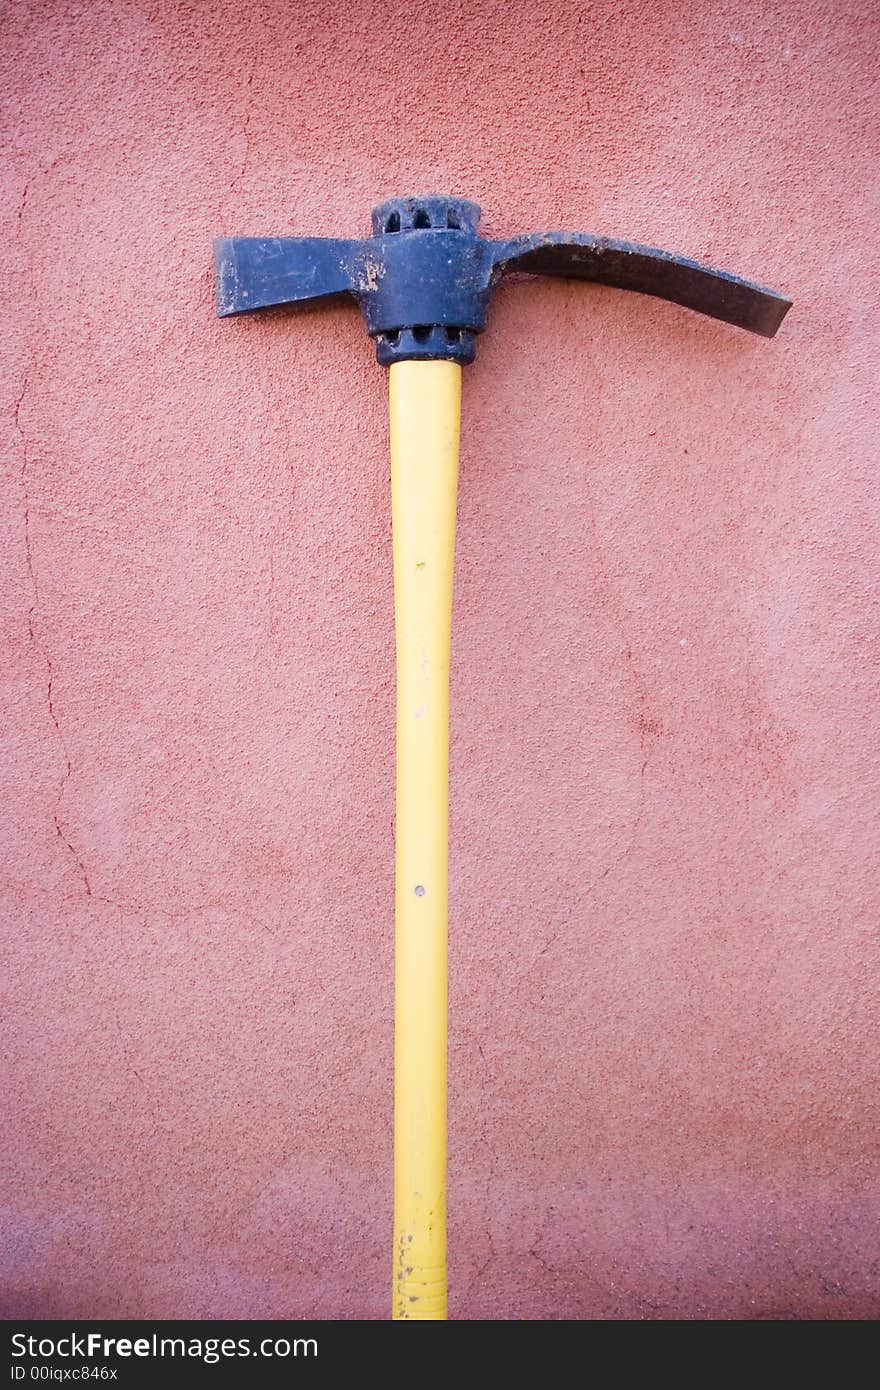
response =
{"points": [[425, 399]]}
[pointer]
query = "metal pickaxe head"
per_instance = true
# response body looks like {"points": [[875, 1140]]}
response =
{"points": [[425, 278]]}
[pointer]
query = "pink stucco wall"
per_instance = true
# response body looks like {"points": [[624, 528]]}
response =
{"points": [[664, 935]]}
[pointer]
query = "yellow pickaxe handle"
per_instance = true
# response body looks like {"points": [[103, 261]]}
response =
{"points": [[425, 400]]}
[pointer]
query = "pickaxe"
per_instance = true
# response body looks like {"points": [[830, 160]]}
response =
{"points": [[424, 281]]}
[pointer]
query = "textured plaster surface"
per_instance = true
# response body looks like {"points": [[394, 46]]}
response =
{"points": [[664, 956]]}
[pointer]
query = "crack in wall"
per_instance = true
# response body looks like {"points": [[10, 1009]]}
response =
{"points": [[613, 864], [25, 463], [144, 912], [21, 207], [649, 728], [150, 1094], [32, 635], [490, 1178], [245, 131]]}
